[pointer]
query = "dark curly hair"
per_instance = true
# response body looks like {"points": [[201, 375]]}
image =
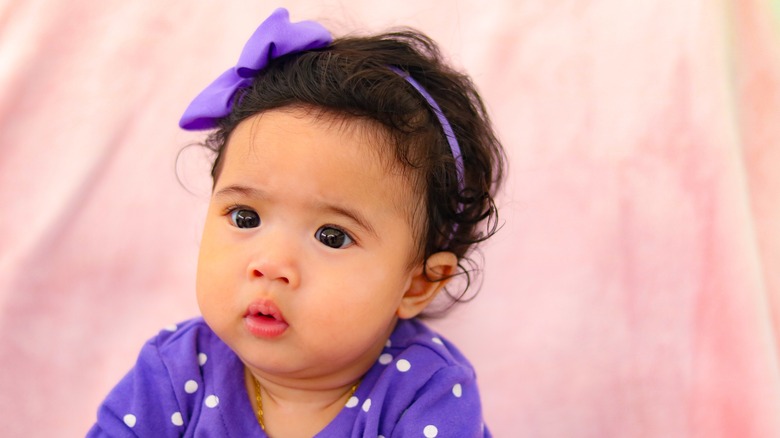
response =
{"points": [[351, 79]]}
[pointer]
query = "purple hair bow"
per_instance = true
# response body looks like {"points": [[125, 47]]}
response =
{"points": [[275, 37]]}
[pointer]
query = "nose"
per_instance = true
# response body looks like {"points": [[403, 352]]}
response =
{"points": [[274, 260]]}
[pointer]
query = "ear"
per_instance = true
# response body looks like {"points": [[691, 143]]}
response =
{"points": [[423, 290]]}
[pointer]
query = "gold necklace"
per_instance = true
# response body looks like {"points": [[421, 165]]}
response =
{"points": [[259, 399]]}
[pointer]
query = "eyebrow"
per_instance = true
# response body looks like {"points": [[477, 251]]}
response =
{"points": [[237, 190], [249, 192], [353, 215]]}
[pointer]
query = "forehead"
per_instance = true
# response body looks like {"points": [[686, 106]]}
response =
{"points": [[326, 154]]}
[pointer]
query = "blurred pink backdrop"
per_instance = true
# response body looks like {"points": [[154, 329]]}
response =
{"points": [[634, 289]]}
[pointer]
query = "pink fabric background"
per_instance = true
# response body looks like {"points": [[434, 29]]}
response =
{"points": [[634, 290]]}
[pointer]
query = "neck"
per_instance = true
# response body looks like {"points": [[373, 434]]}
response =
{"points": [[292, 411], [302, 403]]}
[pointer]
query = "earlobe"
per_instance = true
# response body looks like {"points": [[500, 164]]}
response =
{"points": [[423, 289]]}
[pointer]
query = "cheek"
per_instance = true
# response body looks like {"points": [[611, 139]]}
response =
{"points": [[205, 282], [213, 264], [213, 284], [369, 290]]}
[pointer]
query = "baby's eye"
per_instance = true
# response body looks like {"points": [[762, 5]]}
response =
{"points": [[243, 218], [333, 237]]}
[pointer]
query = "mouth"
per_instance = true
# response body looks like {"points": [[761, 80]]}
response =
{"points": [[264, 309], [263, 319]]}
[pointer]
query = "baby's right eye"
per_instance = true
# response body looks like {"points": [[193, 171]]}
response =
{"points": [[244, 218]]}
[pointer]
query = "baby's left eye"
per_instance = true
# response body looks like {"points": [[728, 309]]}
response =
{"points": [[333, 237]]}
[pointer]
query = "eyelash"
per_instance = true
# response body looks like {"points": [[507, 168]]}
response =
{"points": [[233, 207]]}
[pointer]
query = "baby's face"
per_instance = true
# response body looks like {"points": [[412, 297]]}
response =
{"points": [[306, 248]]}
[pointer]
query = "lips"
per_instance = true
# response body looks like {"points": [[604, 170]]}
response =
{"points": [[264, 320]]}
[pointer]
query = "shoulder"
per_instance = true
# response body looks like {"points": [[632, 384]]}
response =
{"points": [[422, 383], [415, 355], [413, 340], [177, 350], [182, 342], [164, 389], [182, 332]]}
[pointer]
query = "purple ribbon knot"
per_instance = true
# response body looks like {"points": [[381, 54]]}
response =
{"points": [[275, 37]]}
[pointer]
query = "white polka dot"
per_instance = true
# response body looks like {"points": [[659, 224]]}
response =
{"points": [[176, 419], [437, 340], [191, 386], [430, 431], [457, 390], [367, 405], [388, 343], [202, 358], [352, 402], [171, 328], [212, 401], [385, 358], [129, 420], [403, 365], [380, 436]]}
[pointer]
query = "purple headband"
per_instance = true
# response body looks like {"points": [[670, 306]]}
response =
{"points": [[276, 37], [448, 133]]}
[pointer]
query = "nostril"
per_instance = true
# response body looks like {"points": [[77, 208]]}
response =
{"points": [[256, 273]]}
